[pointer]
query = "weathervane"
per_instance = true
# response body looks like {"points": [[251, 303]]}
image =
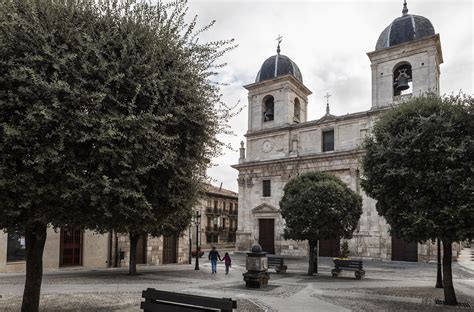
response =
{"points": [[279, 39], [327, 96]]}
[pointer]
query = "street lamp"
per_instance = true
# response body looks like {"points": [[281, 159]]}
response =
{"points": [[197, 223], [190, 244]]}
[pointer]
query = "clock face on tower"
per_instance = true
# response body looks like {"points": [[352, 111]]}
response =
{"points": [[267, 146]]}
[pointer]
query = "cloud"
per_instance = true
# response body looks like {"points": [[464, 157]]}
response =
{"points": [[329, 41]]}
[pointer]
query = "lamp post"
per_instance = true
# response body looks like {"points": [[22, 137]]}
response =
{"points": [[197, 222], [439, 278], [190, 245]]}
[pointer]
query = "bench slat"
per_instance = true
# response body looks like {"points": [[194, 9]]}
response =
{"points": [[166, 307], [215, 303]]}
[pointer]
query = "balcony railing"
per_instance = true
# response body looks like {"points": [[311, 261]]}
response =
{"points": [[211, 210], [212, 228]]}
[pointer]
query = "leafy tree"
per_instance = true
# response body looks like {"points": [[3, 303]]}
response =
{"points": [[418, 166], [316, 206], [107, 116]]}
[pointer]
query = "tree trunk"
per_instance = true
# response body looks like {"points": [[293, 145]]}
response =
{"points": [[439, 276], [311, 245], [449, 294], [132, 266], [35, 237]]}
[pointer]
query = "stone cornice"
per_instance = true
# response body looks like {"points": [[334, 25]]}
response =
{"points": [[265, 208], [407, 47], [277, 79], [353, 153], [322, 121]]}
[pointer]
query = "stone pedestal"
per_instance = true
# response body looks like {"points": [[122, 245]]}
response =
{"points": [[257, 268], [256, 280]]}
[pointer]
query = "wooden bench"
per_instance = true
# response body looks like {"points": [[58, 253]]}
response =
{"points": [[165, 301], [348, 265], [277, 263]]}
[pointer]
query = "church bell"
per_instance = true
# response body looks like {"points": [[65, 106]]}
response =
{"points": [[402, 81], [269, 114]]}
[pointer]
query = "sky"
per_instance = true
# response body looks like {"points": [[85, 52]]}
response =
{"points": [[328, 40]]}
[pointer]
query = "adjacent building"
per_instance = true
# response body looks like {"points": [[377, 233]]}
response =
{"points": [[63, 248], [218, 225]]}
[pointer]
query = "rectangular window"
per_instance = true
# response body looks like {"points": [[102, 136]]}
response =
{"points": [[215, 204], [328, 140], [266, 188], [16, 247]]}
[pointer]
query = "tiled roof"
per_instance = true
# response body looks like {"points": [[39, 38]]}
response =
{"points": [[219, 191]]}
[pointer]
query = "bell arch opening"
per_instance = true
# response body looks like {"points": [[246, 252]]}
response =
{"points": [[268, 108], [402, 79], [296, 110]]}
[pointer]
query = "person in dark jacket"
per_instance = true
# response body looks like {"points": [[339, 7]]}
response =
{"points": [[214, 256], [227, 262]]}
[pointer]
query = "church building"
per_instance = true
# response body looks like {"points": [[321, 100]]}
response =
{"points": [[282, 143]]}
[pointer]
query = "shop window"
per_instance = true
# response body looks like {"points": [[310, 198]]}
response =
{"points": [[16, 248]]}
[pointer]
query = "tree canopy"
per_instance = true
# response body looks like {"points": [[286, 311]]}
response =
{"points": [[419, 167], [108, 117], [318, 205]]}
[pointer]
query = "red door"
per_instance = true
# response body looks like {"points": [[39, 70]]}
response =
{"points": [[71, 247], [141, 250], [169, 249]]}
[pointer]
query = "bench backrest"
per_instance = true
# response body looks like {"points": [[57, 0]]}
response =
{"points": [[275, 261], [158, 300], [355, 264]]}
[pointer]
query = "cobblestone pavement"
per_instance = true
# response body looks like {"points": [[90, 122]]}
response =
{"points": [[388, 286]]}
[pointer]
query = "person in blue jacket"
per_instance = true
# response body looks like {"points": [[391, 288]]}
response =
{"points": [[214, 256]]}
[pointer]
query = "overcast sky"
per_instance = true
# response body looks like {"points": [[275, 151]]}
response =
{"points": [[328, 40]]}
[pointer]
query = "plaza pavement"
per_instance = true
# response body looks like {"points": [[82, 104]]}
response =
{"points": [[388, 286]]}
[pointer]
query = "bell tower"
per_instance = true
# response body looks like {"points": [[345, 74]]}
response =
{"points": [[406, 60], [278, 96]]}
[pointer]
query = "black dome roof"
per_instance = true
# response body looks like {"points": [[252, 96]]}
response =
{"points": [[405, 29], [278, 65]]}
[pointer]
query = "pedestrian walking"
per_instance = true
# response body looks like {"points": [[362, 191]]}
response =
{"points": [[227, 262], [214, 256]]}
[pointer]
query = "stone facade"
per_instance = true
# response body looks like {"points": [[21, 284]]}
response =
{"points": [[154, 253], [95, 252], [286, 145], [423, 55]]}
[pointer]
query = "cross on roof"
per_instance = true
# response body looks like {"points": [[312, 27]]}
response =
{"points": [[327, 96]]}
